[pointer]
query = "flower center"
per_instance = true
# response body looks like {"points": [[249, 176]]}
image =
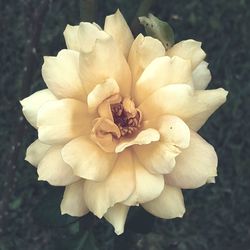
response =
{"points": [[118, 119]]}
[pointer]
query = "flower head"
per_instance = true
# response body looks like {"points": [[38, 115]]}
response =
{"points": [[117, 124]]}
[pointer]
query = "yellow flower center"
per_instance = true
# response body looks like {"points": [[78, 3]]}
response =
{"points": [[118, 119]]}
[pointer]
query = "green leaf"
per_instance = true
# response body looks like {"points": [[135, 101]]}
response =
{"points": [[158, 29]]}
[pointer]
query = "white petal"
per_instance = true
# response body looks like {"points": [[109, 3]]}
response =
{"points": [[87, 159], [117, 187], [73, 200], [71, 37], [54, 170], [117, 27], [159, 157], [161, 72], [168, 205], [194, 107], [144, 137], [201, 76], [143, 51], [101, 92], [117, 215], [33, 103], [62, 120], [189, 50], [61, 75], [195, 166], [147, 186], [35, 152], [103, 62]]}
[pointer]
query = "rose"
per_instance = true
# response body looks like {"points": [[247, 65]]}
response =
{"points": [[117, 124]]}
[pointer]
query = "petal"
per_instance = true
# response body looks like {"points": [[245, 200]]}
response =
{"points": [[159, 157], [117, 27], [54, 170], [73, 200], [147, 186], [62, 120], [160, 72], [189, 50], [71, 37], [33, 103], [196, 164], [117, 187], [201, 76], [117, 216], [35, 152], [143, 51], [194, 107], [144, 137], [87, 159], [61, 75], [103, 62], [101, 92], [169, 205]]}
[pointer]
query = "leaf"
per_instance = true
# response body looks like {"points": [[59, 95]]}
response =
{"points": [[158, 29]]}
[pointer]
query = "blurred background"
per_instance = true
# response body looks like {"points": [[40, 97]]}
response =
{"points": [[218, 215]]}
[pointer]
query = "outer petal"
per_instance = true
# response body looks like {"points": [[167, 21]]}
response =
{"points": [[160, 72], [103, 62], [62, 120], [144, 137], [82, 37], [201, 76], [35, 152], [148, 186], [73, 200], [195, 165], [159, 157], [33, 103], [61, 75], [54, 170], [189, 50], [168, 205], [143, 51], [117, 27], [194, 107], [87, 159], [117, 187], [117, 215]]}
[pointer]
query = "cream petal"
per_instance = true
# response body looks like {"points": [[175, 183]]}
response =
{"points": [[103, 62], [35, 152], [117, 27], [169, 205], [143, 51], [61, 75], [159, 157], [54, 170], [194, 107], [71, 37], [33, 103], [117, 216], [101, 92], [147, 186], [73, 200], [161, 72], [189, 50], [144, 137], [62, 120], [196, 164], [87, 159], [201, 76], [117, 187]]}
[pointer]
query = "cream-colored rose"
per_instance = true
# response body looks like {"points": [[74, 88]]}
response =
{"points": [[117, 122]]}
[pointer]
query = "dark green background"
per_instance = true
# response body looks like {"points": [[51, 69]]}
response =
{"points": [[217, 215]]}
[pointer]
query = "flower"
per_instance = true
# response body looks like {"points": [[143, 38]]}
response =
{"points": [[117, 124]]}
